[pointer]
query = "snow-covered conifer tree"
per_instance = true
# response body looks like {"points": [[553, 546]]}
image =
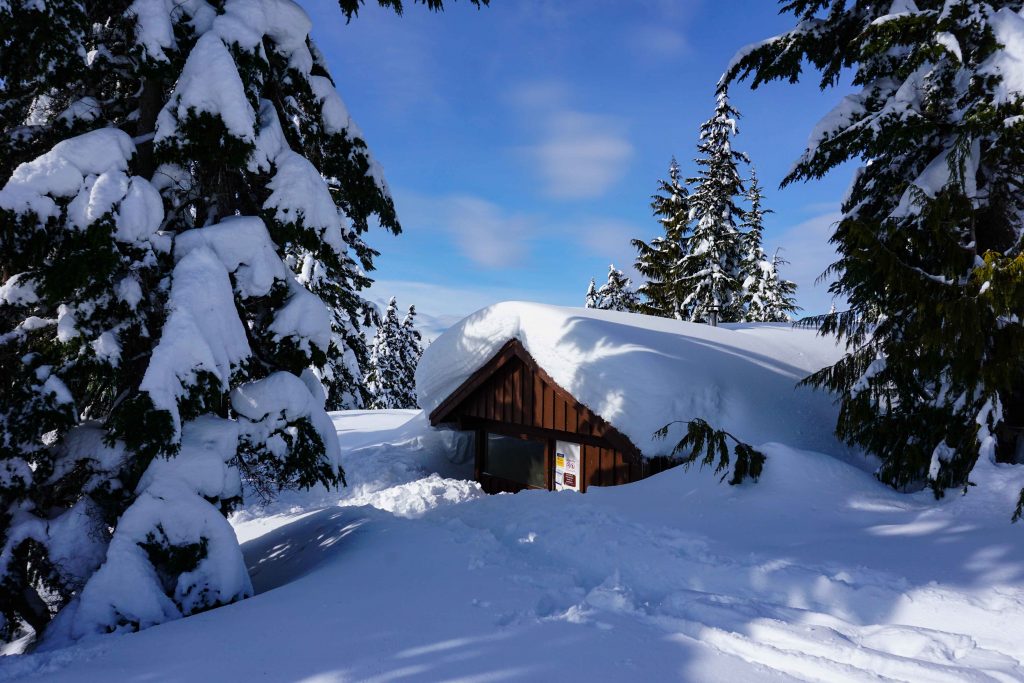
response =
{"points": [[591, 300], [616, 294], [767, 298], [930, 243], [180, 217], [390, 380], [658, 261], [710, 270], [412, 350]]}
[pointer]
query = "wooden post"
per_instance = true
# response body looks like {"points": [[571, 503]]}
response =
{"points": [[479, 446]]}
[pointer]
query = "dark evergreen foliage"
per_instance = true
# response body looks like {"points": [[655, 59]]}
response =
{"points": [[124, 205], [709, 270], [767, 298], [351, 7], [710, 255], [709, 446], [591, 299], [930, 240], [616, 294], [662, 292], [396, 351]]}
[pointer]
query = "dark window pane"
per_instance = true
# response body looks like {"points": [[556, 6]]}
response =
{"points": [[517, 460]]}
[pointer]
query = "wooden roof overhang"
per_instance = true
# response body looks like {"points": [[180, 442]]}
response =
{"points": [[594, 429]]}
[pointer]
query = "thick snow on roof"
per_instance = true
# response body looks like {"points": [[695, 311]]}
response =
{"points": [[640, 372]]}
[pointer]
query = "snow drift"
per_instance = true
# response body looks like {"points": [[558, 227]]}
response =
{"points": [[817, 573], [640, 372]]}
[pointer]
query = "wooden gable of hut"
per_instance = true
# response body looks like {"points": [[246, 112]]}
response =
{"points": [[530, 433]]}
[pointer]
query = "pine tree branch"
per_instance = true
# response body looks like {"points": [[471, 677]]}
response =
{"points": [[701, 437], [350, 8]]}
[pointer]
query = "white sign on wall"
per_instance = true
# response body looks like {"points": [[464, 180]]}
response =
{"points": [[567, 466]]}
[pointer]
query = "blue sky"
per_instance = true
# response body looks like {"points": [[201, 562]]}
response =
{"points": [[522, 142]]}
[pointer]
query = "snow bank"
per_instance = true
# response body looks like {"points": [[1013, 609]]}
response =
{"points": [[640, 372], [416, 498], [818, 573]]}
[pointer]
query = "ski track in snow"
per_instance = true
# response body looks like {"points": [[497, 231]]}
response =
{"points": [[415, 575]]}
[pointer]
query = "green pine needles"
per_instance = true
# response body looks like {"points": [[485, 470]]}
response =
{"points": [[709, 263], [930, 241], [709, 447], [663, 292], [183, 202]]}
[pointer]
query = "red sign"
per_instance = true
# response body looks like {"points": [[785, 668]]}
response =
{"points": [[569, 479]]}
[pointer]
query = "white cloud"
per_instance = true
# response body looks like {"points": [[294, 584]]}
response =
{"points": [[482, 231], [578, 155], [540, 95], [582, 155], [809, 253], [658, 41]]}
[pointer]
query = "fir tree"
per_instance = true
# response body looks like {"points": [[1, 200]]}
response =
{"points": [[767, 298], [616, 294], [709, 271], [591, 300], [657, 262], [180, 242], [412, 350], [930, 239], [391, 379]]}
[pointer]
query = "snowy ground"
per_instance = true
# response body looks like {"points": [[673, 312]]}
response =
{"points": [[817, 573]]}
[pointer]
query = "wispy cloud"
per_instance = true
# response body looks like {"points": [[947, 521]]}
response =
{"points": [[482, 231], [658, 41], [809, 253], [578, 155], [485, 232], [582, 155]]}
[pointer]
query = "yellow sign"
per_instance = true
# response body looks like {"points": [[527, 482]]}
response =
{"points": [[560, 460]]}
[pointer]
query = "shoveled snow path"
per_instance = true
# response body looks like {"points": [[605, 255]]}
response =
{"points": [[815, 574]]}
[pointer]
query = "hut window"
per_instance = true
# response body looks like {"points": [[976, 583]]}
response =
{"points": [[520, 460]]}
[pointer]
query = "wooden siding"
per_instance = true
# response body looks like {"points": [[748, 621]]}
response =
{"points": [[513, 396]]}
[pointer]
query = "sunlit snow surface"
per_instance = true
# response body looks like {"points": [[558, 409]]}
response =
{"points": [[817, 573]]}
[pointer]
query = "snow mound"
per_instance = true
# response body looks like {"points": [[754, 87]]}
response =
{"points": [[416, 498], [640, 372], [818, 573]]}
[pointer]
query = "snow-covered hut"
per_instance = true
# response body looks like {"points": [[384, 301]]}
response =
{"points": [[568, 398]]}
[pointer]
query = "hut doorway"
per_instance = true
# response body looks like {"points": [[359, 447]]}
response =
{"points": [[512, 464]]}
